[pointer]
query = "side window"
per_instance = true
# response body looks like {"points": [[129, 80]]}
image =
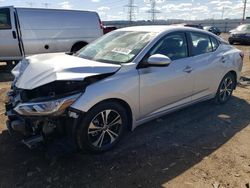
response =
{"points": [[5, 18], [215, 43], [174, 46], [201, 43]]}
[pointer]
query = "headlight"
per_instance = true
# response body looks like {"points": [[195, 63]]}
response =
{"points": [[54, 107]]}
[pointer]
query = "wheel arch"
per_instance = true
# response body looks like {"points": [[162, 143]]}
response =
{"points": [[124, 104]]}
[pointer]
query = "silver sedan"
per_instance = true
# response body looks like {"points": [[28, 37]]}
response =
{"points": [[123, 79]]}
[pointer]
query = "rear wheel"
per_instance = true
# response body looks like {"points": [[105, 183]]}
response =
{"points": [[225, 89], [9, 65], [78, 46], [102, 127]]}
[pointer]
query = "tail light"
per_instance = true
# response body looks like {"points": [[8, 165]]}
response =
{"points": [[101, 24], [242, 55]]}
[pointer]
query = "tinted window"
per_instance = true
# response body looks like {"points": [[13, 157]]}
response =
{"points": [[215, 43], [5, 19], [174, 46], [201, 43]]}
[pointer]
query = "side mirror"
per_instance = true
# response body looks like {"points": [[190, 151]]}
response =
{"points": [[159, 60]]}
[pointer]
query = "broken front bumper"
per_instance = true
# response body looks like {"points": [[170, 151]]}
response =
{"points": [[38, 121], [14, 122]]}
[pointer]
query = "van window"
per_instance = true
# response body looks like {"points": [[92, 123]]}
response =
{"points": [[201, 43], [5, 19], [174, 46]]}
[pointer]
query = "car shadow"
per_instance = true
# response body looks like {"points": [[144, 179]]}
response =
{"points": [[150, 156]]}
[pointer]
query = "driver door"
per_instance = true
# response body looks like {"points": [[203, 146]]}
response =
{"points": [[164, 88]]}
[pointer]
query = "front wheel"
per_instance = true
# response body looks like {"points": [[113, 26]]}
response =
{"points": [[225, 89], [102, 127]]}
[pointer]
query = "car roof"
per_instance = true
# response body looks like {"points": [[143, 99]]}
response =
{"points": [[162, 28], [148, 28]]}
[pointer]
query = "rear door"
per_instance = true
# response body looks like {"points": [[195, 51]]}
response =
{"points": [[9, 44], [207, 64]]}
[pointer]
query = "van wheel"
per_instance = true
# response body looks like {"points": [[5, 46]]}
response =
{"points": [[225, 89], [102, 127], [9, 65], [78, 46]]}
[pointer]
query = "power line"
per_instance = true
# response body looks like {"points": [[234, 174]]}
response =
{"points": [[46, 5], [29, 3], [153, 10], [222, 14], [131, 10]]}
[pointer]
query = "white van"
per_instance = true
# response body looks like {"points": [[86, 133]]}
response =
{"points": [[27, 31]]}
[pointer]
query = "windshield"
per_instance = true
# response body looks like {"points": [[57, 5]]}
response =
{"points": [[243, 28], [117, 47]]}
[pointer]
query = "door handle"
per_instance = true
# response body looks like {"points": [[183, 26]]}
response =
{"points": [[14, 34], [188, 69]]}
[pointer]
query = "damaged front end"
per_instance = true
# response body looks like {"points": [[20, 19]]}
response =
{"points": [[44, 88], [42, 114]]}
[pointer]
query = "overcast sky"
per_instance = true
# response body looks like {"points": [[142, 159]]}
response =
{"points": [[168, 9]]}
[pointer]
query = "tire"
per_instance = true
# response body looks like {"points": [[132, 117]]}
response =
{"points": [[77, 47], [9, 65], [97, 134], [225, 89]]}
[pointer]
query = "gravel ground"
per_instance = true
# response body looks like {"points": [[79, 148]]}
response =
{"points": [[204, 145]]}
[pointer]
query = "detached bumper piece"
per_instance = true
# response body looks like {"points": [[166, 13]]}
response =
{"points": [[33, 142]]}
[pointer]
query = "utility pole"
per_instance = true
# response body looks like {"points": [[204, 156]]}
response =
{"points": [[153, 10], [131, 10], [244, 10], [30, 3], [46, 5], [222, 15]]}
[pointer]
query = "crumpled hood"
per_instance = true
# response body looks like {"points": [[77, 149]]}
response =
{"points": [[37, 70]]}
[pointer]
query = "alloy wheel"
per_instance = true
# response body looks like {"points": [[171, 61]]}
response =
{"points": [[226, 89], [105, 128]]}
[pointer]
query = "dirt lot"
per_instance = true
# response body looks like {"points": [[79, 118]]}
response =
{"points": [[205, 145]]}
